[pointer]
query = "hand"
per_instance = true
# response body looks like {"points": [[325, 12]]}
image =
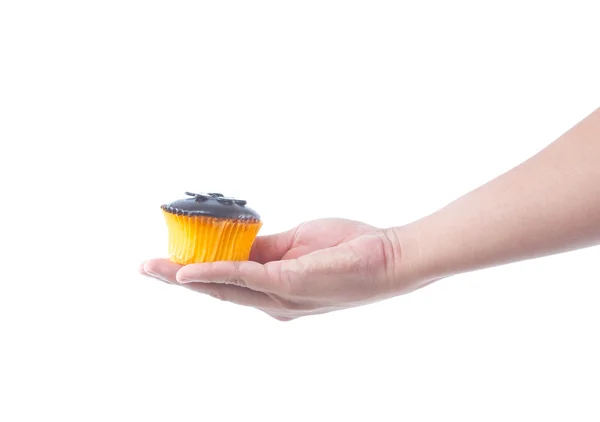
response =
{"points": [[317, 267]]}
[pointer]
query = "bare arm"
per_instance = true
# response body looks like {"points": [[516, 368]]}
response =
{"points": [[548, 204]]}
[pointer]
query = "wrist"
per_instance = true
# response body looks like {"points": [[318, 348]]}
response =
{"points": [[415, 262]]}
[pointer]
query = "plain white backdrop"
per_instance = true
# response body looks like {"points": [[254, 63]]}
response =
{"points": [[380, 111]]}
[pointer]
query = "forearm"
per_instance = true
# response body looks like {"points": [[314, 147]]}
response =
{"points": [[547, 205]]}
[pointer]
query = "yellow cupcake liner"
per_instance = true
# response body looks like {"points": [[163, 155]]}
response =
{"points": [[196, 239]]}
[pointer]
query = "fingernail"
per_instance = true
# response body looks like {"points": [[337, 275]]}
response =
{"points": [[156, 276], [187, 281]]}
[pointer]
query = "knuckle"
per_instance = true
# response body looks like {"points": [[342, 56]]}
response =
{"points": [[282, 277], [232, 274], [293, 278], [287, 285], [237, 278]]}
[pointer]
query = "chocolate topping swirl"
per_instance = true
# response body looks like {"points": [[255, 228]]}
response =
{"points": [[211, 205]]}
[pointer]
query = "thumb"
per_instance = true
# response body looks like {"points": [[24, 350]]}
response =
{"points": [[272, 247]]}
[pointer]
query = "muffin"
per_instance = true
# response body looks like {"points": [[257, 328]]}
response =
{"points": [[208, 227]]}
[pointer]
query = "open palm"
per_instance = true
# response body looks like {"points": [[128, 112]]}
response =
{"points": [[317, 267]]}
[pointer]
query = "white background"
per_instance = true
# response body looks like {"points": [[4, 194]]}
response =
{"points": [[377, 111]]}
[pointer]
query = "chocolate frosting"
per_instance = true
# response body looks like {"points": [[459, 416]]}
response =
{"points": [[211, 205]]}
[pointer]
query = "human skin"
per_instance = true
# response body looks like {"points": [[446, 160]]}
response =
{"points": [[549, 204]]}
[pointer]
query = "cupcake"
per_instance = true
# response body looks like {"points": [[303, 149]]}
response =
{"points": [[208, 227]]}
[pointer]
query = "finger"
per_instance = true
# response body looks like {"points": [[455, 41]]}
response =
{"points": [[326, 273], [249, 274], [235, 294], [272, 247], [163, 269], [280, 317]]}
